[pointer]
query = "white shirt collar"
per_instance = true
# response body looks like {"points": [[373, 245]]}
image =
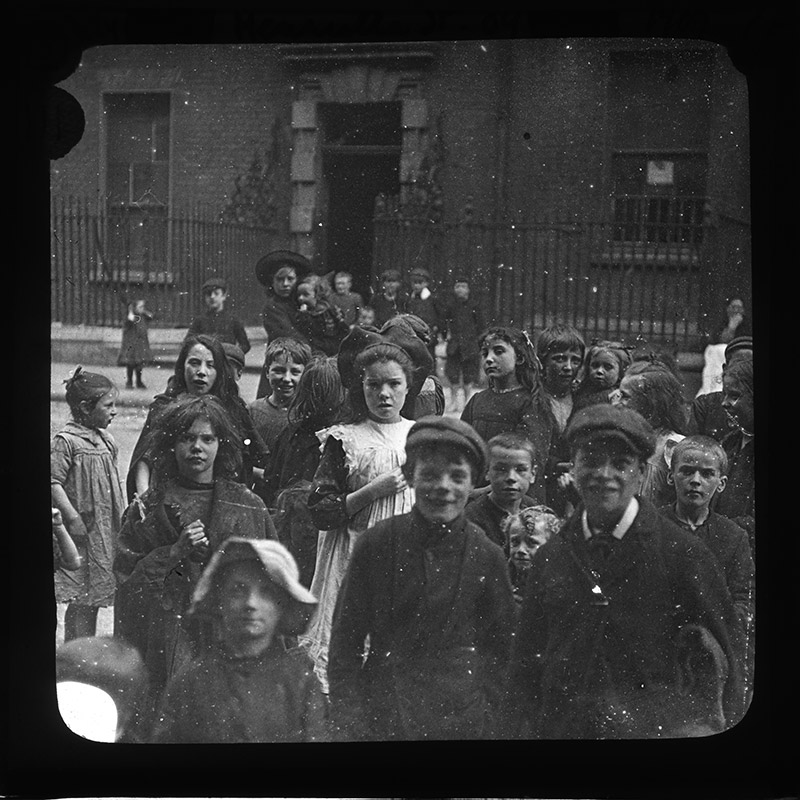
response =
{"points": [[621, 528]]}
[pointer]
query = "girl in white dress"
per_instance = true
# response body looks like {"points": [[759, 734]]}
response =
{"points": [[359, 481]]}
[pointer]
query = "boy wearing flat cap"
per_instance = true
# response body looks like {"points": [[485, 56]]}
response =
{"points": [[422, 302], [595, 654], [246, 687], [391, 300], [216, 321], [433, 595]]}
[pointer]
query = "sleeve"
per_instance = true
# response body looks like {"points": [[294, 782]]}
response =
{"points": [[326, 502], [176, 702], [521, 697], [315, 718], [352, 621], [496, 625], [60, 460], [697, 415], [467, 415], [704, 599], [195, 326], [240, 335], [143, 546], [741, 580]]}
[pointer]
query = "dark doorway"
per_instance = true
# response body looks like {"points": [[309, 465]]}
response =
{"points": [[361, 159]]}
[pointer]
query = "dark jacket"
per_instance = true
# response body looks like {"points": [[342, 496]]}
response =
{"points": [[154, 589], [437, 606], [738, 501], [223, 325], [707, 417], [135, 348], [274, 697], [386, 309], [464, 321], [324, 328], [586, 670], [729, 544], [488, 516]]}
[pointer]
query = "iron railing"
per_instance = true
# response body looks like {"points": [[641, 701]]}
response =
{"points": [[103, 258]]}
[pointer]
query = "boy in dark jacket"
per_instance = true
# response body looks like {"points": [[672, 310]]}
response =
{"points": [[216, 321], [434, 597], [461, 324], [607, 598]]}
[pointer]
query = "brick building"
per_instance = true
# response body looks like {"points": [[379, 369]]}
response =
{"points": [[639, 134]]}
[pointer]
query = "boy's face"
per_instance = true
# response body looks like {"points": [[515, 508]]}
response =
{"points": [[418, 284], [366, 316], [510, 474], [737, 403], [607, 474], [696, 476], [284, 375], [215, 298], [390, 286], [248, 605], [560, 370], [522, 543], [461, 290], [342, 284], [442, 482]]}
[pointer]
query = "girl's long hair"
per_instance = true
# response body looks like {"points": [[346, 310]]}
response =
{"points": [[177, 418], [225, 387], [375, 354], [320, 399], [528, 369], [658, 396]]}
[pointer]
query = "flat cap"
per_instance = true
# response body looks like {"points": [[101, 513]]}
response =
{"points": [[737, 344], [420, 272], [449, 431], [215, 282], [604, 421], [390, 275], [234, 353]]}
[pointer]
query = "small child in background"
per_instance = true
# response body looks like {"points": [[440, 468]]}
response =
{"points": [[216, 321], [366, 318], [235, 357], [65, 553], [135, 350], [284, 363], [604, 368], [346, 300], [390, 300], [423, 304], [246, 687], [85, 488], [461, 323], [511, 470], [318, 319], [526, 531]]}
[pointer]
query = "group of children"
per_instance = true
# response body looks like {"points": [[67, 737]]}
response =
{"points": [[370, 561]]}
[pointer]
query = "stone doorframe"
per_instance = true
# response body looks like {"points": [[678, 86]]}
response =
{"points": [[350, 73]]}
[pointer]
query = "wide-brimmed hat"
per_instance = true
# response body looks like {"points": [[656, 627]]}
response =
{"points": [[280, 567], [268, 265]]}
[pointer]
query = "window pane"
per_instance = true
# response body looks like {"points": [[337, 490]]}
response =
{"points": [[117, 186]]}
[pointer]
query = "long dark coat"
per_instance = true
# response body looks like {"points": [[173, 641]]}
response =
{"points": [[438, 610], [154, 590], [586, 670]]}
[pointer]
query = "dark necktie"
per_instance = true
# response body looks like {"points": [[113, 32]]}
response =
{"points": [[600, 545]]}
